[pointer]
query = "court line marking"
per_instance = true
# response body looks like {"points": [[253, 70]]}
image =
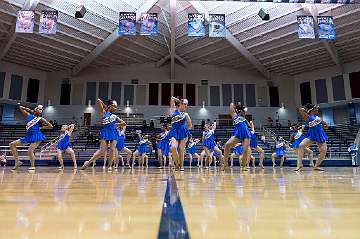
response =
{"points": [[173, 222]]}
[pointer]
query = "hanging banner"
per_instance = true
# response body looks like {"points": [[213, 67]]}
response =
{"points": [[306, 27], [25, 22], [326, 29], [48, 22], [217, 25], [149, 24], [196, 25], [127, 24]]}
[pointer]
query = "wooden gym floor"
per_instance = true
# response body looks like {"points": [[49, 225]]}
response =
{"points": [[153, 203]]}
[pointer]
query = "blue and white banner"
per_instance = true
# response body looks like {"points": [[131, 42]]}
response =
{"points": [[48, 22], [217, 25], [326, 29], [306, 27], [127, 24], [25, 22], [196, 25], [149, 24]]}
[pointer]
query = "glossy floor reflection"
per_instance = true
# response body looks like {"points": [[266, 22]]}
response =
{"points": [[51, 204], [130, 204], [271, 203]]}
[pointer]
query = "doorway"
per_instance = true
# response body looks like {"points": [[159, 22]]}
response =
{"points": [[87, 119]]}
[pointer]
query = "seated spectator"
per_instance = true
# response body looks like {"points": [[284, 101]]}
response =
{"points": [[289, 123], [270, 121], [162, 119], [168, 121], [144, 125], [152, 125]]}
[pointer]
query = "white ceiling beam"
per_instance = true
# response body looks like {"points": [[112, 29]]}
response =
{"points": [[59, 24], [173, 38], [53, 37], [236, 44], [247, 54], [109, 40], [330, 48], [162, 61], [165, 59], [295, 32], [181, 60], [210, 52], [28, 5], [51, 46], [30, 46], [281, 52], [192, 49], [219, 57], [227, 25]]}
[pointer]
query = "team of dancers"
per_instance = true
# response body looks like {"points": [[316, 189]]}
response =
{"points": [[176, 141]]}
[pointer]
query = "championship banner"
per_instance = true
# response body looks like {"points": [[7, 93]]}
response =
{"points": [[48, 22], [127, 24], [306, 27], [25, 22], [326, 29], [196, 25], [217, 25], [149, 24]]}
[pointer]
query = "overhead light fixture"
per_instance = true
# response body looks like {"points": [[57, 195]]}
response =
{"points": [[264, 14], [80, 11]]}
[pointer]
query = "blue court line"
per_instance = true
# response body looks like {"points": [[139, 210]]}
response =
{"points": [[172, 223]]}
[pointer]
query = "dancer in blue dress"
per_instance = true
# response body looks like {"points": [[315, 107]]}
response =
{"points": [[255, 147], [179, 132], [120, 147], [279, 151], [296, 138], [108, 132], [163, 146], [237, 152], [64, 145], [241, 134], [34, 124], [209, 142], [215, 155], [191, 150], [315, 135], [142, 149]]}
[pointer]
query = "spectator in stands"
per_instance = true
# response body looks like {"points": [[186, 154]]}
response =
{"points": [[55, 124], [162, 119], [144, 125], [152, 125], [90, 138], [3, 159], [202, 125], [289, 123], [270, 121], [168, 120]]}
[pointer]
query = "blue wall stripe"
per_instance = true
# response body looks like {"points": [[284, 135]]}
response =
{"points": [[172, 223]]}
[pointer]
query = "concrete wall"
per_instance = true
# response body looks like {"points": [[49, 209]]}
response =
{"points": [[326, 73], [26, 73]]}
